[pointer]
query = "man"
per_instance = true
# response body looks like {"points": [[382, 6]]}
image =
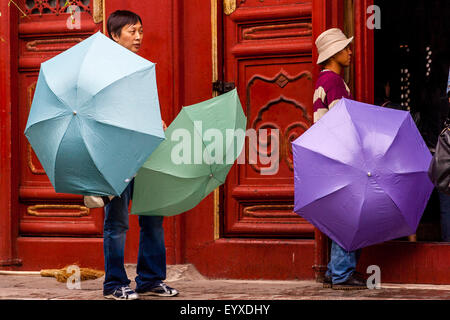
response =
{"points": [[335, 55], [125, 28], [435, 97]]}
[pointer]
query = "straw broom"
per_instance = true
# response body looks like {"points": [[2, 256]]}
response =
{"points": [[61, 275]]}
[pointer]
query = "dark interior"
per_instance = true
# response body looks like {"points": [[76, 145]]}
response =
{"points": [[411, 72]]}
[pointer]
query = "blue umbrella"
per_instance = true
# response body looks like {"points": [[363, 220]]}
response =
{"points": [[95, 117]]}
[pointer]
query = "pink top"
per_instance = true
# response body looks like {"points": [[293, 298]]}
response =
{"points": [[330, 88]]}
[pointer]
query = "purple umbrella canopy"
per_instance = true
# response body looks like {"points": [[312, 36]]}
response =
{"points": [[360, 174]]}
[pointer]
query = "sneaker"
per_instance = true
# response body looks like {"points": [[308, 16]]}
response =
{"points": [[96, 201], [353, 283], [162, 290], [123, 293], [360, 276], [327, 282]]}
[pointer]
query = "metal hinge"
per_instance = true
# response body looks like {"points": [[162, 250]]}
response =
{"points": [[222, 87], [229, 6]]}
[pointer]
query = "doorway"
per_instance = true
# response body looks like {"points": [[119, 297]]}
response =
{"points": [[411, 72]]}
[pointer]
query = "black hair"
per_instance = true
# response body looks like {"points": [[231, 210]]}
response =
{"points": [[120, 18], [323, 64]]}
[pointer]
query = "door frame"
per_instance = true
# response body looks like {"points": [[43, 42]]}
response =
{"points": [[350, 16], [8, 128]]}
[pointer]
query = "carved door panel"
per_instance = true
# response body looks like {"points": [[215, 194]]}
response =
{"points": [[45, 30], [268, 54]]}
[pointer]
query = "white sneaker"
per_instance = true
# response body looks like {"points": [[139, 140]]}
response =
{"points": [[96, 201], [123, 293], [161, 289]]}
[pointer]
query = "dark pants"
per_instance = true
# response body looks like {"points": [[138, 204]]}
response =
{"points": [[151, 264], [342, 263], [445, 216]]}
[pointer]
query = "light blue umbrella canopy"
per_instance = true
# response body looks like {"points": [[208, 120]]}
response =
{"points": [[95, 117]]}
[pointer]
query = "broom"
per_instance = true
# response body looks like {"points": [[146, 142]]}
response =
{"points": [[61, 275]]}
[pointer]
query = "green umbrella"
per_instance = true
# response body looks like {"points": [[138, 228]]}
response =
{"points": [[202, 144]]}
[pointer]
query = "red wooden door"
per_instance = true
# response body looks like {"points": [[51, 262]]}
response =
{"points": [[53, 229], [267, 53], [56, 229], [248, 227]]}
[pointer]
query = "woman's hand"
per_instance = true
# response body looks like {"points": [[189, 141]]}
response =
{"points": [[164, 125]]}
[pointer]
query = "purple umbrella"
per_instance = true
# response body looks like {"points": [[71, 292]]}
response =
{"points": [[361, 174]]}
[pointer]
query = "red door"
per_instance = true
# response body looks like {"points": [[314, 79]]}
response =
{"points": [[268, 56], [53, 229], [44, 229], [247, 228]]}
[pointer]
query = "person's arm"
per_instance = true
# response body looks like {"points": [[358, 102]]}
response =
{"points": [[318, 104], [164, 125]]}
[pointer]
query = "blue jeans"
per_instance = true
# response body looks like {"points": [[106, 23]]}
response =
{"points": [[444, 201], [342, 263], [151, 264]]}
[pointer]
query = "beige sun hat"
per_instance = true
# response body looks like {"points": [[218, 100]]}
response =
{"points": [[330, 42]]}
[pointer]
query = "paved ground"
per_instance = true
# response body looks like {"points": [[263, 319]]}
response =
{"points": [[192, 286]]}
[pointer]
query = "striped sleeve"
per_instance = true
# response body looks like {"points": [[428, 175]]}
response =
{"points": [[320, 107]]}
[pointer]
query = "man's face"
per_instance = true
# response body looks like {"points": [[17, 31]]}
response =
{"points": [[344, 57], [130, 37]]}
